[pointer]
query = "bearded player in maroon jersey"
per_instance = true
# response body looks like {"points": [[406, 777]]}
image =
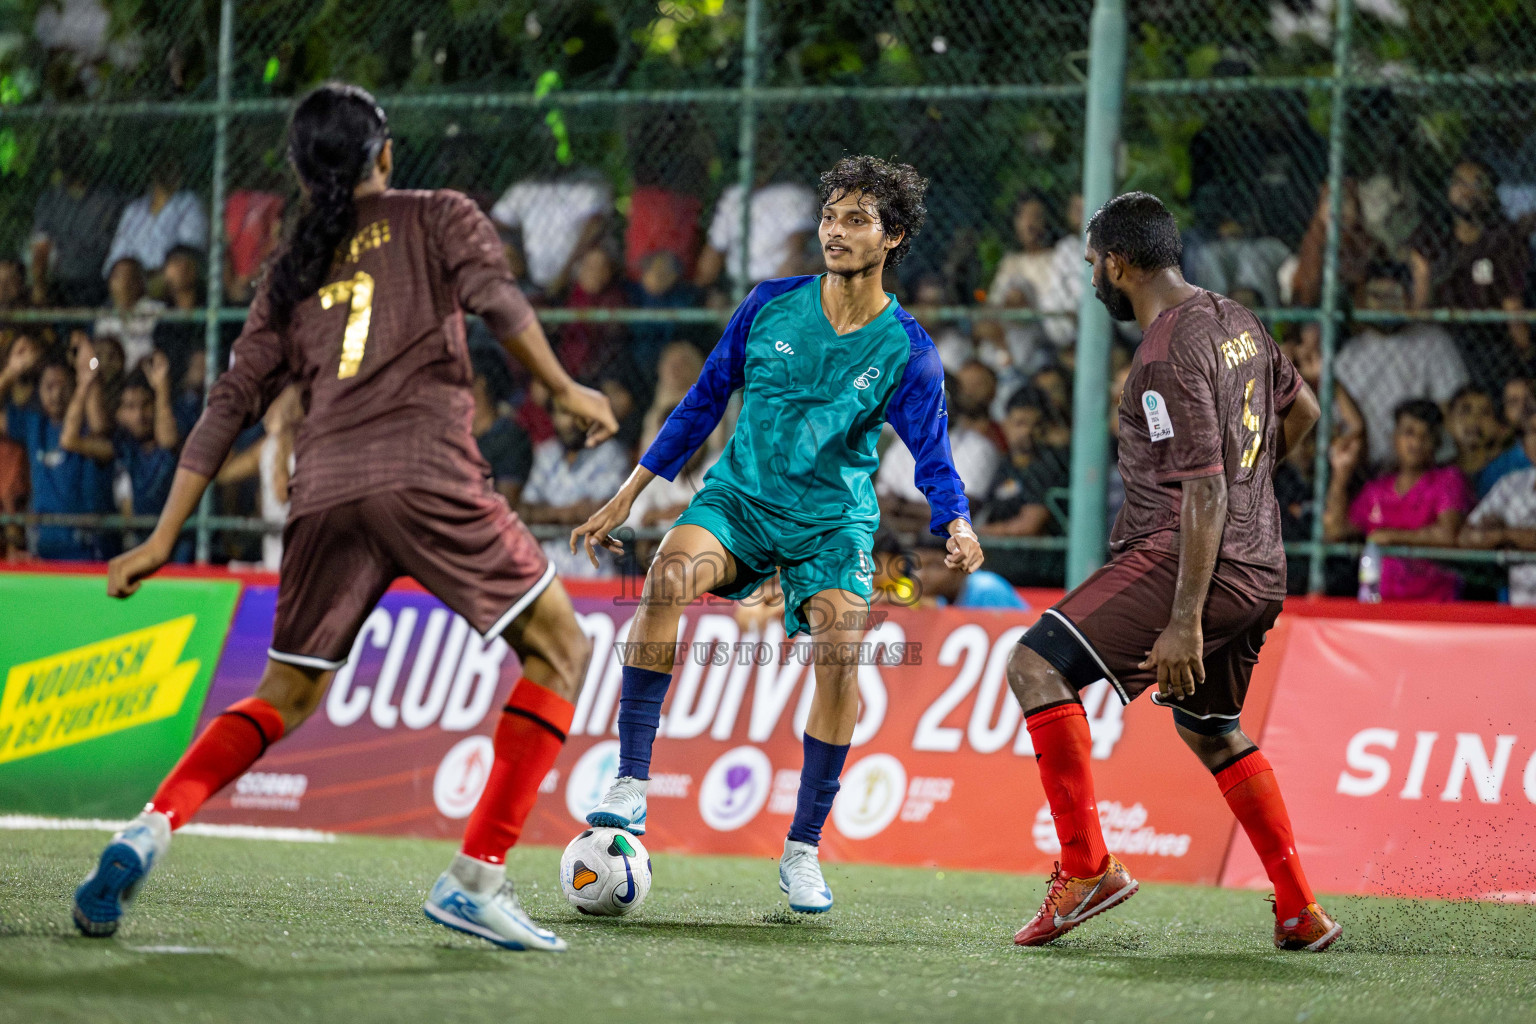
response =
{"points": [[364, 310], [1196, 577]]}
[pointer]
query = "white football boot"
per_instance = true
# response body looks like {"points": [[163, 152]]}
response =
{"points": [[476, 898], [101, 898], [800, 877], [623, 807]]}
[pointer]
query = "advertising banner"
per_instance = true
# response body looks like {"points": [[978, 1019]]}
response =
{"points": [[940, 772], [1407, 755], [100, 696]]}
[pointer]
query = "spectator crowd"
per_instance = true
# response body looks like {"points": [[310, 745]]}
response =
{"points": [[1436, 420]]}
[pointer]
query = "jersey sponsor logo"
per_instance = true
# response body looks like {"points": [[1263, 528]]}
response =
{"points": [[784, 347], [1159, 423], [864, 379], [96, 690]]}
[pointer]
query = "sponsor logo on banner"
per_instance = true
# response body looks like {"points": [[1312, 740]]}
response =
{"points": [[590, 778], [871, 796], [1472, 765], [269, 791], [461, 776], [1125, 831], [96, 690], [735, 788]]}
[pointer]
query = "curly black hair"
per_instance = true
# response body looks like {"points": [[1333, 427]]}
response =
{"points": [[1138, 228], [897, 190]]}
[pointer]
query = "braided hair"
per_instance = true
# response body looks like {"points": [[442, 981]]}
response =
{"points": [[334, 140]]}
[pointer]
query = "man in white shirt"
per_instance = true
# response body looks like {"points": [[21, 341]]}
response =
{"points": [[783, 217], [1506, 518], [551, 225], [154, 224]]}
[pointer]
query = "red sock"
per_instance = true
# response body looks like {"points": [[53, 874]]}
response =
{"points": [[528, 739], [1062, 747], [1254, 796], [231, 744]]}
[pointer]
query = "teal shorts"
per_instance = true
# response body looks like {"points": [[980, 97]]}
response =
{"points": [[809, 559]]}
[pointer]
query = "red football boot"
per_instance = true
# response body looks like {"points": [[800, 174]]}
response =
{"points": [[1311, 931], [1071, 901]]}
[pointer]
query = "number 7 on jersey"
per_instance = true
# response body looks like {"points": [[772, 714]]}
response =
{"points": [[356, 290]]}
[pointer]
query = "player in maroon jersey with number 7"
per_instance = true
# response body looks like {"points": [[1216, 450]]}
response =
{"points": [[364, 309], [1196, 577]]}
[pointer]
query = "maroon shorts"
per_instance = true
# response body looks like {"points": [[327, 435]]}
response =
{"points": [[1106, 627], [474, 555]]}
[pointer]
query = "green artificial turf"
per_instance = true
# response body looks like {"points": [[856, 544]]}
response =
{"points": [[233, 930]]}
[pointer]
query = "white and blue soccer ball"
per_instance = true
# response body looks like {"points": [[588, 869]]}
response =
{"points": [[605, 872]]}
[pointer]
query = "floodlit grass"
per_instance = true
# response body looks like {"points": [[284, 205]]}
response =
{"points": [[230, 930]]}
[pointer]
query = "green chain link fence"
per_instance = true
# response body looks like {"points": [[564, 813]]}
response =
{"points": [[1239, 113]]}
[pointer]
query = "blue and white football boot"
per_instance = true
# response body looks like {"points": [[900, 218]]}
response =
{"points": [[623, 807], [101, 898], [800, 877], [476, 898]]}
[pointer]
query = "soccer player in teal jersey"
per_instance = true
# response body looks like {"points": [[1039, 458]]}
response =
{"points": [[823, 363]]}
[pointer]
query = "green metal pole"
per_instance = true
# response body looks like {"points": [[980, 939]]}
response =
{"points": [[216, 239], [746, 142], [1087, 528], [1343, 22]]}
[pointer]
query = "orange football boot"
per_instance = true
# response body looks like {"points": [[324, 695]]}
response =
{"points": [[1311, 931], [1071, 901]]}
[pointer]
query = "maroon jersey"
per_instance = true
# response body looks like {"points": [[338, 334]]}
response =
{"points": [[1205, 396], [380, 355]]}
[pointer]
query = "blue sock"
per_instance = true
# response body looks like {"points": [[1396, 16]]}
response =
{"points": [[818, 786], [640, 702]]}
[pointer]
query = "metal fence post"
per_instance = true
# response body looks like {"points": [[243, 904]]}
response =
{"points": [[1330, 325], [746, 142], [1090, 399], [216, 239]]}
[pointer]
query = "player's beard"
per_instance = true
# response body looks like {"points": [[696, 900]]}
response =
{"points": [[1115, 300], [873, 263]]}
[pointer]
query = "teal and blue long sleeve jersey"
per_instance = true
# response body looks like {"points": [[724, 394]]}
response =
{"points": [[813, 404]]}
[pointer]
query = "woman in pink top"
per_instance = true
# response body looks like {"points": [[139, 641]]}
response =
{"points": [[1419, 504]]}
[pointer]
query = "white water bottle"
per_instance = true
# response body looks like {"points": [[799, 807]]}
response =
{"points": [[1370, 574]]}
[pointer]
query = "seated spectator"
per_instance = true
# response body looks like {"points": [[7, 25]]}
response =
{"points": [[941, 586], [1066, 282], [253, 222], [1477, 432], [13, 285], [183, 276], [784, 220], [62, 480], [1382, 369], [662, 222], [1023, 277], [1479, 261], [676, 372], [1017, 506], [132, 316], [146, 441], [72, 226], [1361, 254], [154, 224], [111, 371], [21, 359], [568, 482], [661, 284], [586, 349], [270, 463], [976, 457], [1506, 518], [1417, 505], [187, 404], [1238, 259], [1519, 403], [549, 225], [620, 382], [975, 393], [503, 444]]}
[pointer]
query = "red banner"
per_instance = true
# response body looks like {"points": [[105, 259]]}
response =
{"points": [[940, 773], [1407, 755]]}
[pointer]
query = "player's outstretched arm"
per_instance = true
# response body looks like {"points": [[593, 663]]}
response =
{"points": [[128, 570], [531, 348], [1178, 655], [599, 527]]}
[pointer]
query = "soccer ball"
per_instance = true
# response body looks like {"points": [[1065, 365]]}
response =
{"points": [[605, 872]]}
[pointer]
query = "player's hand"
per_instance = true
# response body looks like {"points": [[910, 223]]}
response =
{"points": [[962, 550], [597, 530], [1178, 659], [129, 569], [592, 408]]}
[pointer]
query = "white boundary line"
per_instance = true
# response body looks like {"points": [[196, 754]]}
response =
{"points": [[29, 823]]}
